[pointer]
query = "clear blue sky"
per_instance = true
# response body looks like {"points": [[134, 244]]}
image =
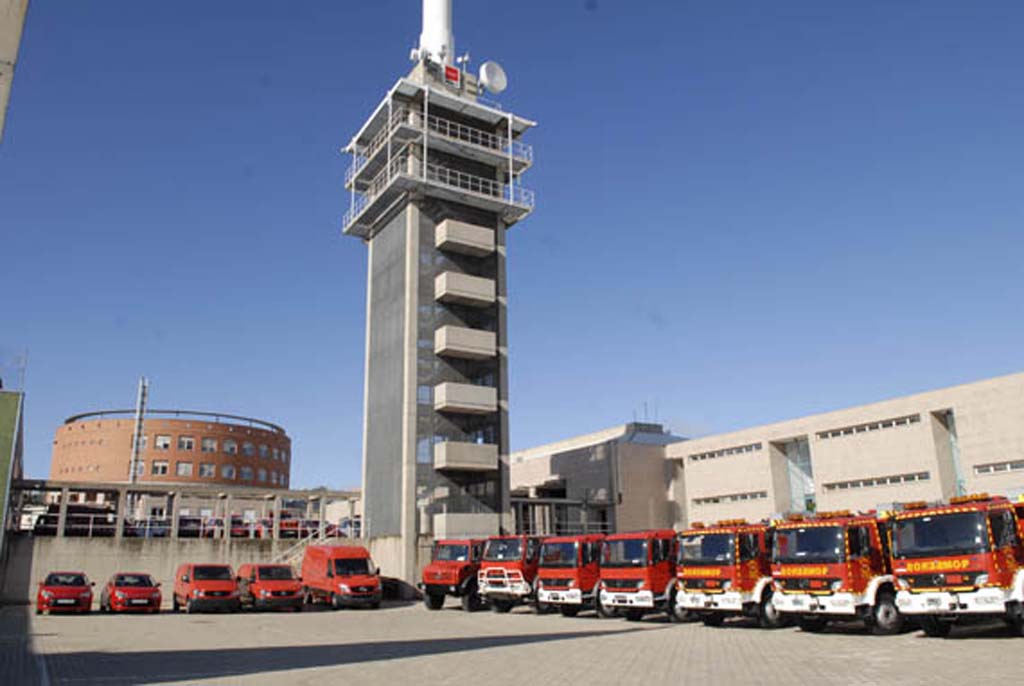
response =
{"points": [[747, 211]]}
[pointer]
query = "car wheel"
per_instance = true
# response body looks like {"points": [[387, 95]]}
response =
{"points": [[336, 601], [38, 611], [190, 607], [433, 601]]}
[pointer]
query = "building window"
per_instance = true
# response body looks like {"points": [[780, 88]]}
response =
{"points": [[207, 470], [264, 451], [248, 449], [159, 468], [870, 426], [230, 446], [277, 454], [209, 445], [284, 455], [999, 467], [140, 468], [184, 469], [261, 475], [245, 474], [878, 481], [227, 471], [273, 478], [162, 442], [730, 498], [734, 450], [186, 443], [143, 442], [283, 481], [157, 512]]}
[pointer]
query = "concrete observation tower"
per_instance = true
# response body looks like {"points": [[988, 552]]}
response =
{"points": [[435, 185]]}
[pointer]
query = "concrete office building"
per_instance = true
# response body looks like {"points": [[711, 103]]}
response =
{"points": [[434, 185], [611, 480], [12, 22], [927, 446]]}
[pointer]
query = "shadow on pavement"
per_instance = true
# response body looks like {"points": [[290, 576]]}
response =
{"points": [[169, 665], [18, 664]]}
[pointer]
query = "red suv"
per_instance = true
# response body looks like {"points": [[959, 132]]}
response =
{"points": [[269, 586], [64, 592], [130, 592]]}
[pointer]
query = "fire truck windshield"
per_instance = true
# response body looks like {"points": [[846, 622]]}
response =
{"points": [[939, 535], [707, 549], [809, 544], [558, 555], [630, 552], [502, 549], [451, 553]]}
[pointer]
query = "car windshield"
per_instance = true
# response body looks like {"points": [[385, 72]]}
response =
{"points": [[351, 565], [450, 552], [275, 573], [809, 544], [707, 549], [938, 535], [559, 554], [211, 573], [65, 580], [502, 549], [630, 552], [134, 580]]}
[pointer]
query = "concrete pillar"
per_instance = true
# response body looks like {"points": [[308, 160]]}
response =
{"points": [[226, 532], [175, 501], [62, 513], [120, 507], [323, 515], [277, 517]]}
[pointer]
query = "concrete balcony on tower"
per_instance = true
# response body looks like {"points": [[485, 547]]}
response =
{"points": [[464, 239], [465, 457], [465, 398], [464, 289], [465, 343]]}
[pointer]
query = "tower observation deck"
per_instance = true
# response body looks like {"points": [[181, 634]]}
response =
{"points": [[434, 185]]}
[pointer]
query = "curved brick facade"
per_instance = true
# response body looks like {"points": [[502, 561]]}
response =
{"points": [[179, 447]]}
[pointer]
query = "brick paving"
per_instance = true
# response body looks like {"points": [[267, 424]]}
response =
{"points": [[407, 644]]}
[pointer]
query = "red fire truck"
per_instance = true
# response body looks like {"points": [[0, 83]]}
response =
{"points": [[507, 571], [725, 570], [569, 572], [452, 571], [835, 566], [638, 573], [958, 562]]}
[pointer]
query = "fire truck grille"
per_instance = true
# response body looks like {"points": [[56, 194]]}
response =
{"points": [[942, 580], [623, 584], [557, 583], [700, 584], [807, 584]]}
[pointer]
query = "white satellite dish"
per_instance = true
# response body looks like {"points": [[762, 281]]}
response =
{"points": [[492, 77]]}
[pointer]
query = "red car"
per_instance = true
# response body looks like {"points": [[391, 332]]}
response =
{"points": [[131, 592], [64, 592]]}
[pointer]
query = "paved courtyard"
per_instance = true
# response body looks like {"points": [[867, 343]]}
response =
{"points": [[406, 644]]}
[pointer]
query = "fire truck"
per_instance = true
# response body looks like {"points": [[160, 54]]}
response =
{"points": [[835, 566], [507, 571], [569, 572], [638, 573], [453, 571], [959, 562], [725, 570]]}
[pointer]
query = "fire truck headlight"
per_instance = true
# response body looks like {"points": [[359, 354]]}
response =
{"points": [[540, 584], [836, 585], [572, 583], [981, 580], [902, 584], [726, 585]]}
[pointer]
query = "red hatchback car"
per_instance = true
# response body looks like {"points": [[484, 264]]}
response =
{"points": [[131, 592], [64, 592]]}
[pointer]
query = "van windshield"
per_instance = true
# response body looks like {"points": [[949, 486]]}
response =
{"points": [[211, 573], [351, 566], [451, 553], [502, 549], [276, 574]]}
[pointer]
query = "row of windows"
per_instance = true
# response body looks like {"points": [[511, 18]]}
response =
{"points": [[870, 426], [210, 445], [997, 467], [878, 481], [730, 498], [208, 470], [735, 450]]}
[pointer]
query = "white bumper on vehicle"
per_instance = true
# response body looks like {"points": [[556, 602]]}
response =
{"points": [[572, 596], [697, 600], [805, 603], [982, 601], [641, 599], [518, 589]]}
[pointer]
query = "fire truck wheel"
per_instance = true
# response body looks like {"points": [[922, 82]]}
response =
{"points": [[541, 608], [767, 616], [812, 625], [934, 627], [602, 611], [885, 618], [713, 619], [1017, 624], [433, 601], [569, 610], [634, 615], [471, 602], [501, 606]]}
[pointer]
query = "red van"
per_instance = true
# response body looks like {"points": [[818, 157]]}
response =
{"points": [[64, 592], [205, 587], [262, 587], [131, 592], [341, 575]]}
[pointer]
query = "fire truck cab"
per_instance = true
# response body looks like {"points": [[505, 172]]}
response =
{"points": [[958, 562], [725, 570], [507, 571], [453, 568], [638, 573], [569, 572], [835, 566]]}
